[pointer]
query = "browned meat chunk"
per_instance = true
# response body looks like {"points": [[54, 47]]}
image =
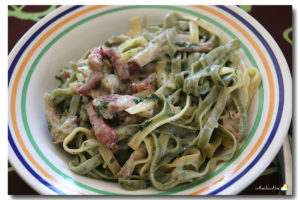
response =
{"points": [[129, 166], [103, 132], [59, 127]]}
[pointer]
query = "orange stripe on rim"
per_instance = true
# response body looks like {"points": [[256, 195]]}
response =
{"points": [[15, 87], [272, 94]]}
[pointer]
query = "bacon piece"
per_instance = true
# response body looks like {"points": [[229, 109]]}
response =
{"points": [[133, 67], [95, 59], [90, 83], [129, 166], [117, 103], [148, 91], [120, 68], [144, 85], [104, 133]]}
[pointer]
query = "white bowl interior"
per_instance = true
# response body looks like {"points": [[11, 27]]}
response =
{"points": [[70, 48]]}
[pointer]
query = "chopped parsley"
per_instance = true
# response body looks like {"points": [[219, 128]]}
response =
{"points": [[100, 106], [141, 127], [147, 122], [152, 97], [181, 44], [193, 44], [107, 43], [60, 79], [136, 101], [103, 104], [185, 44], [112, 160]]}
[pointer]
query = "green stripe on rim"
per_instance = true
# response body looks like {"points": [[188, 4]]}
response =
{"points": [[51, 43]]}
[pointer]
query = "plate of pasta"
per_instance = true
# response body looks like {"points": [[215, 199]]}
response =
{"points": [[160, 100]]}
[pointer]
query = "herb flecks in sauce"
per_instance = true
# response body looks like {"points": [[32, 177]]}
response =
{"points": [[141, 127], [152, 97], [100, 106]]}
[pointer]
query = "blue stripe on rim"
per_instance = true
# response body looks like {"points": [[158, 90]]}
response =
{"points": [[278, 117], [29, 168], [10, 72], [280, 106]]}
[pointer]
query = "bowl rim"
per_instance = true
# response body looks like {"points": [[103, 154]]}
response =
{"points": [[61, 9]]}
